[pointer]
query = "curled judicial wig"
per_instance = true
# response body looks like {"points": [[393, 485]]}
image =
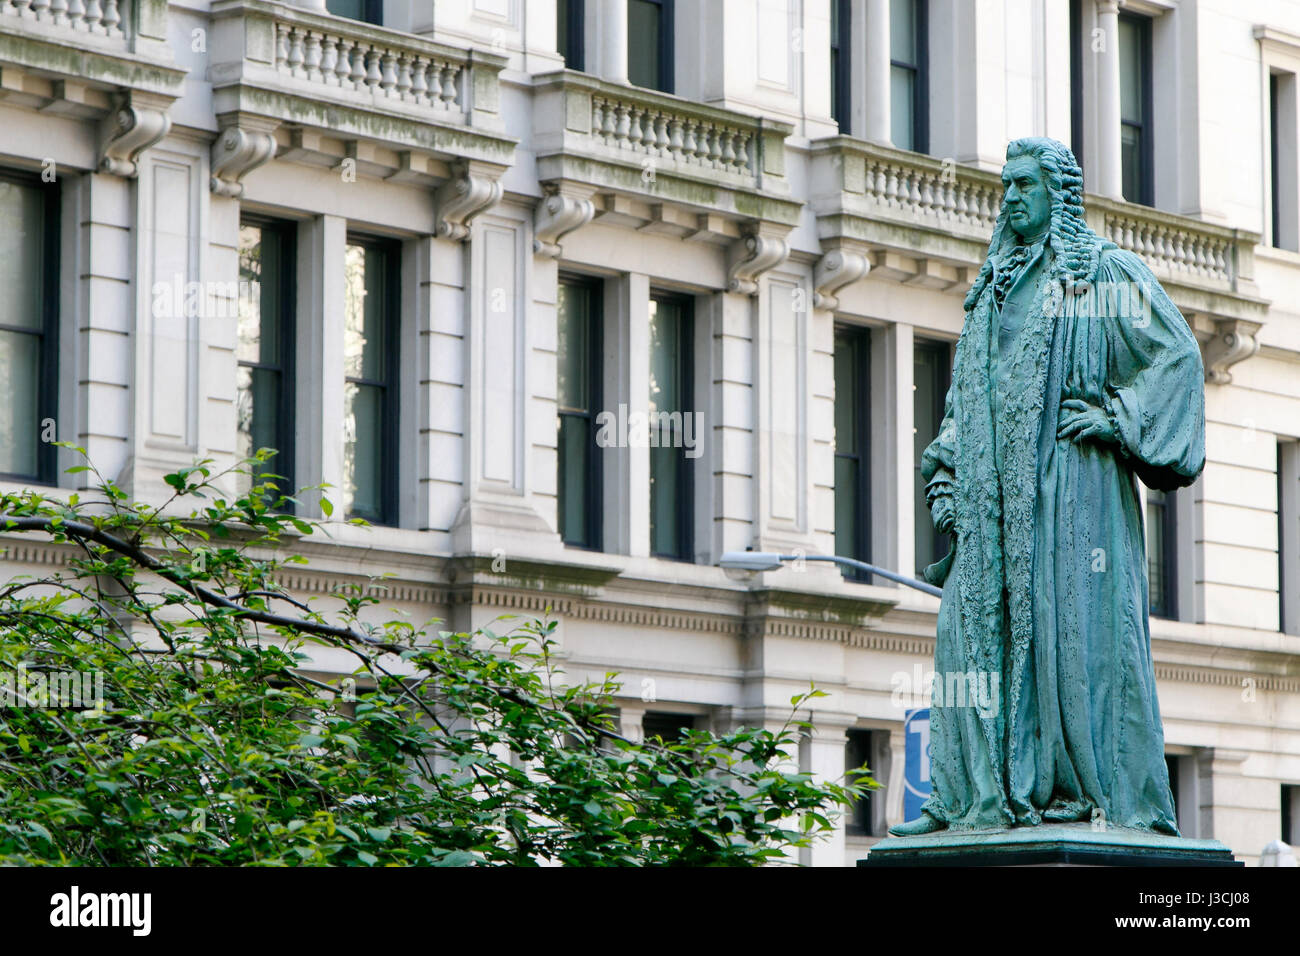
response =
{"points": [[1076, 247]]}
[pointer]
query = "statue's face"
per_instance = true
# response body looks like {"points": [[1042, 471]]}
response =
{"points": [[1026, 196]]}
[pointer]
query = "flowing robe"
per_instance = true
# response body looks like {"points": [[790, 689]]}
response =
{"points": [[1047, 592]]}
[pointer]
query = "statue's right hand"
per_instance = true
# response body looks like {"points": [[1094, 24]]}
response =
{"points": [[942, 513]]}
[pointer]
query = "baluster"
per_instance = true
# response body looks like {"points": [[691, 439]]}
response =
{"points": [[675, 141], [388, 73], [329, 59], [690, 144], [878, 189], [24, 8], [359, 74], [405, 81], [623, 127], [77, 14], [927, 192], [435, 83], [59, 11], [343, 66], [40, 9], [746, 152], [281, 46], [661, 134], [714, 147], [373, 75], [634, 127], [95, 16], [313, 55], [728, 154], [112, 18], [450, 85], [419, 85], [296, 55], [891, 185]]}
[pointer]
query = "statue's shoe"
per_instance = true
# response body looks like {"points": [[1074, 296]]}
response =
{"points": [[922, 824]]}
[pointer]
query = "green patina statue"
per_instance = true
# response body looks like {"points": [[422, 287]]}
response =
{"points": [[1074, 375]]}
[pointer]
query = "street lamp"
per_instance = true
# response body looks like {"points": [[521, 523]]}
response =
{"points": [[746, 563]]}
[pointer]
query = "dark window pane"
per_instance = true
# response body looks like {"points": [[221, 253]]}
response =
{"points": [[667, 727], [852, 420], [20, 382], [575, 451], [261, 402], [645, 38], [857, 753], [1130, 146], [363, 425], [1156, 547], [902, 118], [1131, 70], [902, 31], [371, 11], [573, 363], [22, 245], [670, 499]]}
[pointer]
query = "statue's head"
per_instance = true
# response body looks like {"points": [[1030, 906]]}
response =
{"points": [[1043, 191], [1026, 197]]}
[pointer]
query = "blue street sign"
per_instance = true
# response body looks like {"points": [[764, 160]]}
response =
{"points": [[916, 761]]}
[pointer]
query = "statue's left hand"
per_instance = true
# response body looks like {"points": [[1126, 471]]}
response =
{"points": [[1079, 420]]}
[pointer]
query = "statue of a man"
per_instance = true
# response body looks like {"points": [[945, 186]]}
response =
{"points": [[1074, 375]]}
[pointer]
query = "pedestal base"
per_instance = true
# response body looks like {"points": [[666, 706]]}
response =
{"points": [[1058, 844]]}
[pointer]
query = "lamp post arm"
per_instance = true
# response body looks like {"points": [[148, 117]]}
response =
{"points": [[869, 568]]}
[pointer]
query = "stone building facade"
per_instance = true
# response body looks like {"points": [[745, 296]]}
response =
{"points": [[447, 256]]}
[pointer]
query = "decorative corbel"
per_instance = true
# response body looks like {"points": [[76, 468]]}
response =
{"points": [[753, 254], [834, 271], [561, 211], [472, 188], [1234, 340], [139, 121], [242, 147]]}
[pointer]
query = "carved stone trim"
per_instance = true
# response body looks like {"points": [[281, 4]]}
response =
{"points": [[834, 271], [754, 253], [139, 122], [1234, 340], [473, 188], [561, 211], [241, 148]]}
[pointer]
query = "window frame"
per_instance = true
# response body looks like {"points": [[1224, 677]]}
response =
{"points": [[47, 386], [594, 288], [860, 337], [666, 52], [1146, 142], [287, 230], [685, 473], [391, 405], [920, 75]]}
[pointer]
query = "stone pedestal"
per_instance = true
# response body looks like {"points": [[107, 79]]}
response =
{"points": [[1069, 844]]}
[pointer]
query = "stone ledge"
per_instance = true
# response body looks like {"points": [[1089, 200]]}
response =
{"points": [[1067, 844]]}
